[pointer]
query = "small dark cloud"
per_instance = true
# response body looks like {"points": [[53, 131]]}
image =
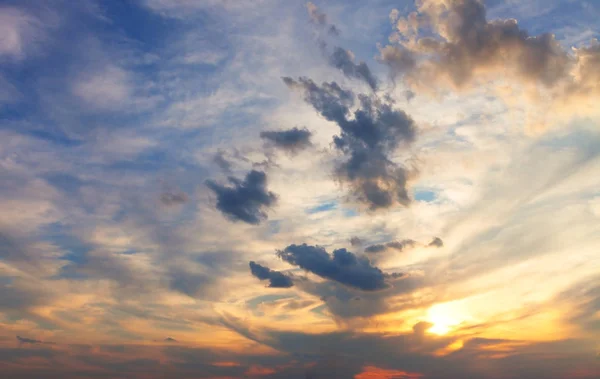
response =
{"points": [[395, 245], [343, 266], [169, 339], [290, 140], [245, 200], [222, 162], [436, 242], [355, 241], [173, 198], [344, 60], [369, 136], [28, 340], [276, 279]]}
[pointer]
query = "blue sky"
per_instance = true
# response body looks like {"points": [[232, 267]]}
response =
{"points": [[151, 149]]}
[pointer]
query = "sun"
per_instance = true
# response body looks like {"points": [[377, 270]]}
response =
{"points": [[445, 317]]}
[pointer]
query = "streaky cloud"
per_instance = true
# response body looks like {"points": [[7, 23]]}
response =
{"points": [[290, 140]]}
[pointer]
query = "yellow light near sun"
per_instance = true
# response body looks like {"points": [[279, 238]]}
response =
{"points": [[445, 317]]}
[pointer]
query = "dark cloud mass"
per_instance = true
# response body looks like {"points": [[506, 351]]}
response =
{"points": [[367, 139], [244, 200], [290, 140], [276, 279], [344, 60], [343, 266], [436, 242], [395, 245]]}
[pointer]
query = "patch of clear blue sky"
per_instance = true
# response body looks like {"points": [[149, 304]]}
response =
{"points": [[427, 196], [324, 207]]}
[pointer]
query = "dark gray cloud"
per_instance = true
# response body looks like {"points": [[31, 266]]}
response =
{"points": [[343, 266], [290, 140], [169, 339], [27, 340], [173, 198], [244, 200], [436, 242], [395, 245], [367, 140], [276, 279], [344, 60]]}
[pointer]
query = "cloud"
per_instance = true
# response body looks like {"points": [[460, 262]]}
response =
{"points": [[366, 140], [396, 245], [19, 32], [245, 200], [343, 266], [465, 44], [108, 88], [28, 340], [451, 43], [319, 18], [173, 198], [436, 242], [276, 279], [355, 241], [344, 60], [290, 140], [222, 162]]}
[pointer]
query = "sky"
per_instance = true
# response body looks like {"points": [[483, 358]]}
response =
{"points": [[269, 189]]}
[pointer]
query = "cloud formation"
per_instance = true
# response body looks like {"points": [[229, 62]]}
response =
{"points": [[343, 266], [451, 43], [466, 44], [320, 19], [290, 140], [276, 279], [173, 198], [344, 60], [436, 242], [27, 340], [369, 136], [245, 200], [395, 245]]}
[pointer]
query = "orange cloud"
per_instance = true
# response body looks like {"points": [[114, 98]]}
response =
{"points": [[259, 371], [372, 372], [226, 364]]}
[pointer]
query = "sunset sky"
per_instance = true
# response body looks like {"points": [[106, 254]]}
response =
{"points": [[274, 189]]}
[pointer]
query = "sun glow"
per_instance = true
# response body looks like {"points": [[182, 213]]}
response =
{"points": [[445, 317]]}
